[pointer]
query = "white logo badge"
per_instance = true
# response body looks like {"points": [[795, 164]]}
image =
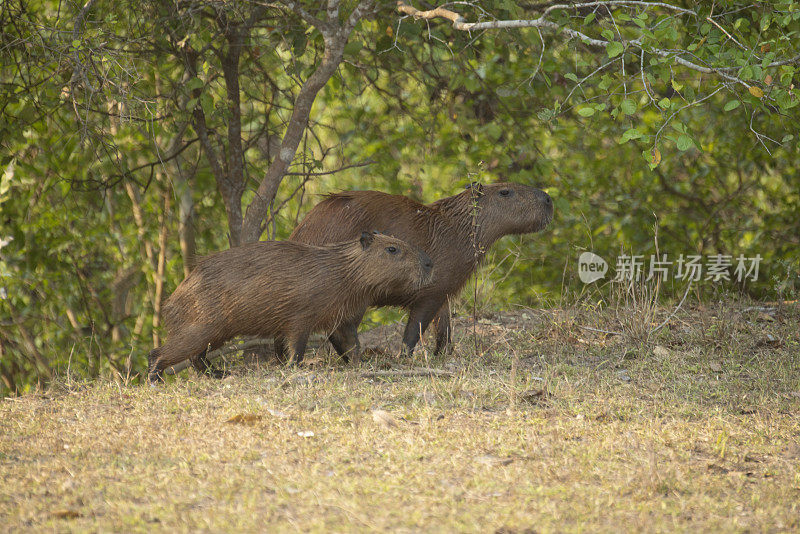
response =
{"points": [[591, 267]]}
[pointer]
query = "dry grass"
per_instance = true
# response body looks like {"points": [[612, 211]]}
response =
{"points": [[552, 428]]}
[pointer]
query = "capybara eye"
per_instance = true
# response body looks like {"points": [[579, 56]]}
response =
{"points": [[391, 250], [505, 192]]}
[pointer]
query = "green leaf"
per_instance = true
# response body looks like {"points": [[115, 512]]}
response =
{"points": [[664, 103], [194, 83], [733, 104], [589, 18], [607, 34], [299, 43], [629, 134], [628, 106], [586, 112], [571, 76], [614, 48], [684, 142], [352, 47]]}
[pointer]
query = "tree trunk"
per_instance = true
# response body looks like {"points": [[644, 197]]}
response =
{"points": [[256, 213], [159, 274], [186, 224]]}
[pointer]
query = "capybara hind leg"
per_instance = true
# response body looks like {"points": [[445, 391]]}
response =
{"points": [[443, 329], [419, 317]]}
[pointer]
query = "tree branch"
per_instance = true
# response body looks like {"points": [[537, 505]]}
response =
{"points": [[461, 24], [268, 188]]}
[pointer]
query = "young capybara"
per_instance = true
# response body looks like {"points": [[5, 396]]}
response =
{"points": [[285, 290], [455, 231]]}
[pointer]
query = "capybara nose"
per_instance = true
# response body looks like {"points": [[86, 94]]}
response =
{"points": [[426, 261], [544, 198]]}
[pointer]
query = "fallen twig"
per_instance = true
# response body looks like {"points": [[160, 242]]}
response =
{"points": [[417, 371], [609, 332]]}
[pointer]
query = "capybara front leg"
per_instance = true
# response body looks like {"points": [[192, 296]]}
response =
{"points": [[297, 347], [345, 339], [203, 365], [419, 317], [443, 329], [351, 345], [153, 373], [280, 349]]}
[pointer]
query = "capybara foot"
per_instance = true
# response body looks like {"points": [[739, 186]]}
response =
{"points": [[204, 367], [155, 377]]}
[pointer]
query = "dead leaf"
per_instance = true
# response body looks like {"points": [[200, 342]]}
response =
{"points": [[384, 419], [533, 396], [793, 451], [750, 457], [306, 434], [656, 157], [715, 366], [768, 79], [428, 397], [765, 317], [715, 468], [756, 91], [67, 514], [492, 460], [244, 419], [661, 352], [765, 48]]}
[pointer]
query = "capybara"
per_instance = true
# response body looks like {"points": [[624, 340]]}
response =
{"points": [[455, 231], [285, 290]]}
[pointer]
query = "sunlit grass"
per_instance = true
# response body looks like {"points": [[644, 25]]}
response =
{"points": [[549, 427]]}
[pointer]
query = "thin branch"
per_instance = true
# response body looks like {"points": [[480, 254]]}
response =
{"points": [[417, 371], [671, 315], [334, 171], [461, 24]]}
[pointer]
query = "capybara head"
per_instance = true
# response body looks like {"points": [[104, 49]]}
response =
{"points": [[392, 264], [510, 208]]}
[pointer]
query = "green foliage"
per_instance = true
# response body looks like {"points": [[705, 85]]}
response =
{"points": [[98, 124]]}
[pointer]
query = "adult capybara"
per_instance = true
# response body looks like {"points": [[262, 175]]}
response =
{"points": [[455, 231], [285, 290]]}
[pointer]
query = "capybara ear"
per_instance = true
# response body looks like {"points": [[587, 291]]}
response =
{"points": [[476, 187], [366, 239]]}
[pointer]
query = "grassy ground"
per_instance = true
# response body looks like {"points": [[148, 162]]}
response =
{"points": [[542, 425]]}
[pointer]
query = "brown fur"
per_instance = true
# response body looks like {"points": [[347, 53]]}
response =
{"points": [[456, 231], [285, 290]]}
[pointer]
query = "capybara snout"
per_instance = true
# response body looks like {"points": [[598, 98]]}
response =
{"points": [[511, 208], [426, 264]]}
